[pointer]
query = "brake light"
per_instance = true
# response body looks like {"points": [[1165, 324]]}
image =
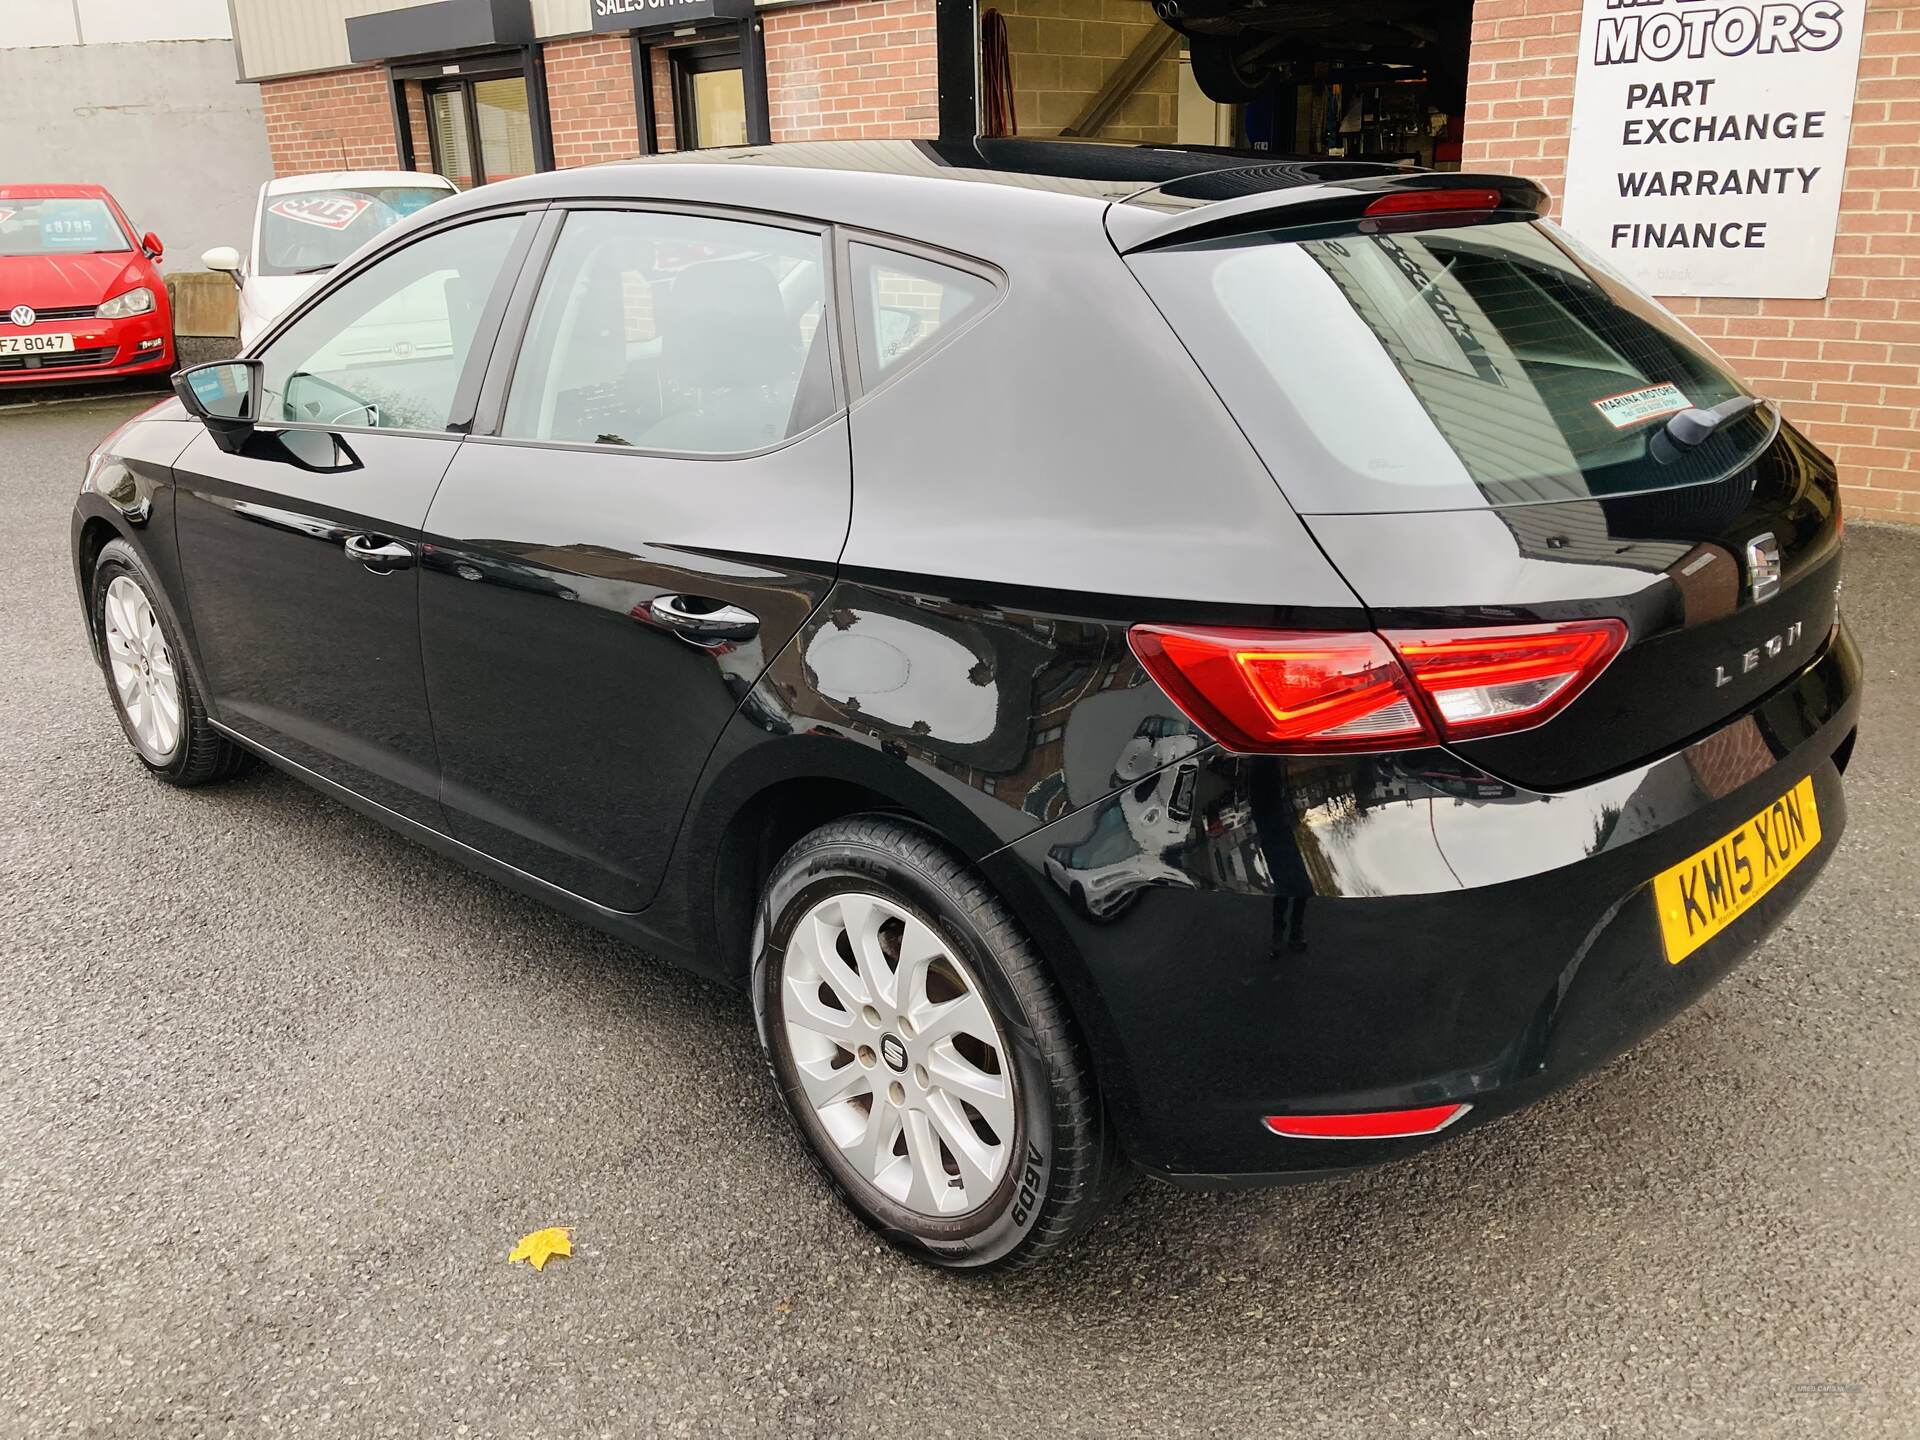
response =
{"points": [[1303, 693], [1486, 682], [1431, 202], [1266, 690]]}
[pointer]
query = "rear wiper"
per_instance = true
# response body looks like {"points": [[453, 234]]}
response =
{"points": [[1691, 429]]}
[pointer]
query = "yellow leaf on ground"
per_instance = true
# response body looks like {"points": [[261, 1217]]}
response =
{"points": [[542, 1245]]}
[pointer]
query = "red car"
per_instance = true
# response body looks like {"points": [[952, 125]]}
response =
{"points": [[80, 297]]}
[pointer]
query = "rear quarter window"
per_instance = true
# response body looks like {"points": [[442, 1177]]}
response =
{"points": [[906, 306]]}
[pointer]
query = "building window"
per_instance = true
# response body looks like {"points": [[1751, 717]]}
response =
{"points": [[481, 129], [709, 95]]}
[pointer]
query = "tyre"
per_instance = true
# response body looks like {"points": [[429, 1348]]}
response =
{"points": [[1222, 71], [923, 1051], [148, 680]]}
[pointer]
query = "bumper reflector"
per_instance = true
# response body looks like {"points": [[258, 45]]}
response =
{"points": [[1368, 1124]]}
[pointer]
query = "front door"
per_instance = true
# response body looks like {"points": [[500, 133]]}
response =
{"points": [[301, 551], [661, 508]]}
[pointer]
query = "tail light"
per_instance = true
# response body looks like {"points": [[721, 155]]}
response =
{"points": [[1265, 690], [1492, 682], [1292, 693]]}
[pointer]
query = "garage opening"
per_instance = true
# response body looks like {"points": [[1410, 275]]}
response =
{"points": [[1371, 79]]}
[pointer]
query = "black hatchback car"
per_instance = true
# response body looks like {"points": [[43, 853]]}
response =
{"points": [[1134, 659]]}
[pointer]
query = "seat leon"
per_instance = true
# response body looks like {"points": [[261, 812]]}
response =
{"points": [[1132, 660]]}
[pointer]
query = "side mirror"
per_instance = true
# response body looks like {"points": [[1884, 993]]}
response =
{"points": [[224, 258], [150, 243], [224, 396]]}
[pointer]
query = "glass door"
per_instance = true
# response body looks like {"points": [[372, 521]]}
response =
{"points": [[481, 130], [451, 137], [710, 96], [505, 125]]}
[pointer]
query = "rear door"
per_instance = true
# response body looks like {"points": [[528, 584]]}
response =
{"points": [[1483, 427], [659, 502], [300, 551]]}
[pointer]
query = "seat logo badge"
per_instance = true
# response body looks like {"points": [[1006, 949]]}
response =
{"points": [[1771, 648], [21, 315], [1763, 566], [894, 1052]]}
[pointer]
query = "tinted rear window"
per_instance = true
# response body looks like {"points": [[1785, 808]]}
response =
{"points": [[1443, 369]]}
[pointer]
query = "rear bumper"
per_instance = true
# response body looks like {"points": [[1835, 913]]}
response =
{"points": [[1384, 934]]}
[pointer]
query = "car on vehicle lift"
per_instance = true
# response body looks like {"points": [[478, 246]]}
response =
{"points": [[1238, 48], [782, 529], [304, 225]]}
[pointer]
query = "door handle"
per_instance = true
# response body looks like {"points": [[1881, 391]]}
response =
{"points": [[377, 557], [705, 622]]}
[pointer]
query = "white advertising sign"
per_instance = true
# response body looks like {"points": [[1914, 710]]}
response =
{"points": [[1709, 141]]}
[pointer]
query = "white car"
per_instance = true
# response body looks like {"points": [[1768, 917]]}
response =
{"points": [[304, 225]]}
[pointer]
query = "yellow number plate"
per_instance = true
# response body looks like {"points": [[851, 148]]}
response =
{"points": [[1708, 891]]}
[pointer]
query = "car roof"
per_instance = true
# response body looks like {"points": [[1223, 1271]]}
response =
{"points": [[952, 194], [54, 192], [1089, 169], [348, 179]]}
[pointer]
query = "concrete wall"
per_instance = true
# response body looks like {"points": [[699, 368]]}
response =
{"points": [[162, 124]]}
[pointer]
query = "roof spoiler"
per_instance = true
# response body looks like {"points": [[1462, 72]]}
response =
{"points": [[1181, 212]]}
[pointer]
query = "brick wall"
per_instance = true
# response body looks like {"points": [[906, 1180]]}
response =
{"points": [[1064, 50], [859, 71], [834, 71], [590, 96], [416, 93], [342, 120], [1846, 368], [662, 77]]}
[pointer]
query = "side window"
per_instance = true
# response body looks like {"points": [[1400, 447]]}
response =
{"points": [[903, 304], [675, 332], [386, 349]]}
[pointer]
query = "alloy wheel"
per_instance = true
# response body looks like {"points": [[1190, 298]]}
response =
{"points": [[899, 1055], [145, 680]]}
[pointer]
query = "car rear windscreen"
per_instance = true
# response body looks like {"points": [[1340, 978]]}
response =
{"points": [[1448, 368]]}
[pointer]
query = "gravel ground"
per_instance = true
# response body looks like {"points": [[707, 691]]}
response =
{"points": [[279, 1091]]}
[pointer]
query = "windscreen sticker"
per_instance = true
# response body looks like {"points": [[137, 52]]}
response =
{"points": [[6, 214], [1638, 405], [75, 232], [329, 212]]}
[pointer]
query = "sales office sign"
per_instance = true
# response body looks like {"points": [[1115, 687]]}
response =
{"points": [[1709, 141], [664, 14]]}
